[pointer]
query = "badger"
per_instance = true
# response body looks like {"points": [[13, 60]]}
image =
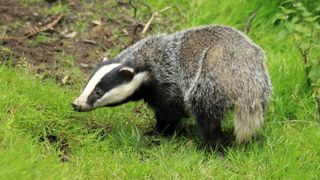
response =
{"points": [[204, 71]]}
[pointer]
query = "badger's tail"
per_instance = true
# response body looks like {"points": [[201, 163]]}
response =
{"points": [[248, 118]]}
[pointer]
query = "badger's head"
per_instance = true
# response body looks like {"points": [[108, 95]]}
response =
{"points": [[110, 85]]}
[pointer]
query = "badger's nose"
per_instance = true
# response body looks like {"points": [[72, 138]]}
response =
{"points": [[76, 107], [81, 107]]}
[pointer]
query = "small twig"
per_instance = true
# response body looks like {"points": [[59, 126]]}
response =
{"points": [[304, 54], [148, 7], [154, 15], [248, 24], [132, 20], [129, 19], [146, 27], [88, 41], [10, 38], [134, 8], [35, 30], [165, 9], [318, 104], [292, 121], [125, 32]]}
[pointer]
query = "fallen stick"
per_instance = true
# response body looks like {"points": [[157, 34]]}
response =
{"points": [[154, 15], [132, 20], [248, 24], [10, 38], [88, 41], [35, 30]]}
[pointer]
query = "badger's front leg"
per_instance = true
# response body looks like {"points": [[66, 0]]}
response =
{"points": [[168, 105], [168, 121]]}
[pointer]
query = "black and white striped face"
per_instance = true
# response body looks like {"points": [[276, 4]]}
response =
{"points": [[111, 84]]}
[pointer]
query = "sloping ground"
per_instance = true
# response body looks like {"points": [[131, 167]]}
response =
{"points": [[86, 32]]}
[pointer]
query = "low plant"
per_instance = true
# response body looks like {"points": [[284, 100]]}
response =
{"points": [[303, 25]]}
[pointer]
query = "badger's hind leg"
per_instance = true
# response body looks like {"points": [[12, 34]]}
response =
{"points": [[209, 116], [209, 122], [248, 118]]}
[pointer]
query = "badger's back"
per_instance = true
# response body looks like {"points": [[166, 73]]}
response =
{"points": [[226, 58]]}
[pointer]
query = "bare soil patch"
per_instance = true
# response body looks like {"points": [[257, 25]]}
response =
{"points": [[87, 32]]}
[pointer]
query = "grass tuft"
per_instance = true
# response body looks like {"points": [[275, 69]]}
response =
{"points": [[42, 137]]}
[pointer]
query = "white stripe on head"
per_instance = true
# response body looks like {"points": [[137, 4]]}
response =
{"points": [[123, 91], [94, 81]]}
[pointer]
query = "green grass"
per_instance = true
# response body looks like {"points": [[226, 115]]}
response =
{"points": [[111, 142], [41, 38]]}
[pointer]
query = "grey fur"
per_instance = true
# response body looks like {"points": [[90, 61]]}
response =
{"points": [[205, 71]]}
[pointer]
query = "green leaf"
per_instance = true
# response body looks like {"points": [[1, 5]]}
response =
{"points": [[316, 27], [300, 7], [295, 19], [288, 11], [304, 45], [301, 29], [314, 73], [317, 9], [306, 14], [287, 2], [279, 17], [311, 19]]}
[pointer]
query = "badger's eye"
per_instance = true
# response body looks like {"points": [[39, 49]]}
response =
{"points": [[98, 92]]}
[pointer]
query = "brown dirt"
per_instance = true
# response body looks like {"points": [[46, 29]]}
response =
{"points": [[49, 52], [61, 144]]}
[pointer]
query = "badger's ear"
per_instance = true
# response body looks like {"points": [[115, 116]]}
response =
{"points": [[126, 72]]}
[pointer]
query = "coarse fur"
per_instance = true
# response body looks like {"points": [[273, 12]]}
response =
{"points": [[203, 71]]}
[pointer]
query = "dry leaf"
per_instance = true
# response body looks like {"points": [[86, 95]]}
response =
{"points": [[70, 35], [65, 79], [96, 22]]}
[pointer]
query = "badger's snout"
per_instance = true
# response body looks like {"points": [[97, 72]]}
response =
{"points": [[80, 107]]}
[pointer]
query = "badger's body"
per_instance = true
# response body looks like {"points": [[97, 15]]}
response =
{"points": [[204, 71]]}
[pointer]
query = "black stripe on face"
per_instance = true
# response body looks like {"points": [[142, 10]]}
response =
{"points": [[108, 82]]}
